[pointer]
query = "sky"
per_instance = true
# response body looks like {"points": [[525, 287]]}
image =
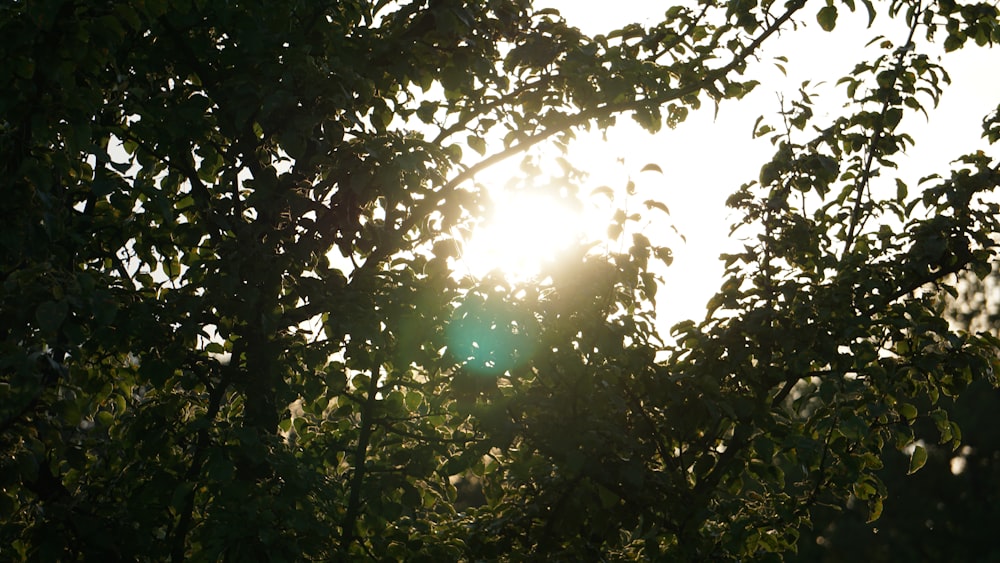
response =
{"points": [[707, 158]]}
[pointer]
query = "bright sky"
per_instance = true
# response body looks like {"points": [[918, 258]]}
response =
{"points": [[705, 160]]}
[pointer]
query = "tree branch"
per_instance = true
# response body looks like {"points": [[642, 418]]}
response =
{"points": [[347, 529], [861, 185], [179, 542], [565, 123]]}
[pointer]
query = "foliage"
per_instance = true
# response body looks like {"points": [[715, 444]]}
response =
{"points": [[941, 513], [945, 511], [231, 328]]}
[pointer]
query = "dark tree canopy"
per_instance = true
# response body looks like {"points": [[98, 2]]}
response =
{"points": [[944, 512], [231, 327]]}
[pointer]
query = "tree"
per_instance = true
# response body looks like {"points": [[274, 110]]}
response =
{"points": [[941, 513], [231, 330]]}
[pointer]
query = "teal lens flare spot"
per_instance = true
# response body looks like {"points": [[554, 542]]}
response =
{"points": [[489, 336]]}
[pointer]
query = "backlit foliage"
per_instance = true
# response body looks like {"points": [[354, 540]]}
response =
{"points": [[231, 326]]}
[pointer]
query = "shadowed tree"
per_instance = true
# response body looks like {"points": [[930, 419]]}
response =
{"points": [[945, 511], [230, 326]]}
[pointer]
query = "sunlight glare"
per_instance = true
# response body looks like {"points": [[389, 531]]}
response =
{"points": [[525, 230]]}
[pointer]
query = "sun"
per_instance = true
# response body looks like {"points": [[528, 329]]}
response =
{"points": [[545, 210], [525, 230]]}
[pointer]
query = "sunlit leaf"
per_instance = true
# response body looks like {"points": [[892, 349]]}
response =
{"points": [[603, 190], [917, 459], [653, 204], [477, 144]]}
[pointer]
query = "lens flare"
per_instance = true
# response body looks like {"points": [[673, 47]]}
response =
{"points": [[490, 336]]}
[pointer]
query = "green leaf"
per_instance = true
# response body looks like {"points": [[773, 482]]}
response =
{"points": [[875, 509], [901, 191], [769, 173], [426, 112], [917, 459], [953, 42], [870, 7], [413, 400], [827, 18], [477, 144]]}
